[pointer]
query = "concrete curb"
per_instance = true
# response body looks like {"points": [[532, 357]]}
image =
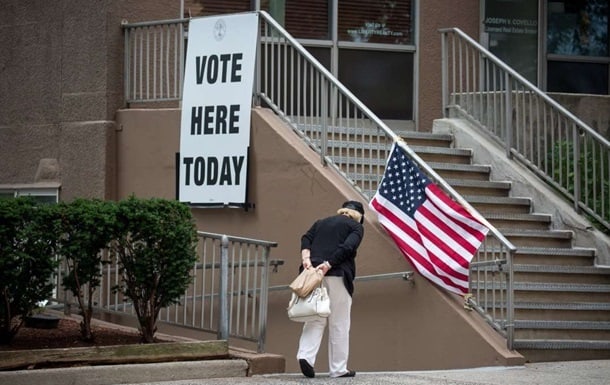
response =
{"points": [[132, 373]]}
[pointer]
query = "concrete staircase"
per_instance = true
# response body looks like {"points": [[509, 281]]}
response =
{"points": [[562, 302]]}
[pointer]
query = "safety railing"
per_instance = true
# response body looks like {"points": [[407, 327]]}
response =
{"points": [[346, 134], [154, 60], [228, 294], [533, 128]]}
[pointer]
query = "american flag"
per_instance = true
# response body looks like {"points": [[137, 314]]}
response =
{"points": [[437, 235]]}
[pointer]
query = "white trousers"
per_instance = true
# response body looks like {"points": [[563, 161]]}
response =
{"points": [[338, 330]]}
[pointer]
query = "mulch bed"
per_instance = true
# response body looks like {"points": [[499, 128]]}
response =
{"points": [[67, 335]]}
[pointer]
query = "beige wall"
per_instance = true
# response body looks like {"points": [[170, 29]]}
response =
{"points": [[396, 325]]}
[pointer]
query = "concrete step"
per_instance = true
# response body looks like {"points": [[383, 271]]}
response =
{"points": [[367, 154], [554, 256], [487, 204], [565, 311], [547, 292], [372, 134], [461, 171], [562, 350], [569, 311], [519, 221], [443, 155], [561, 274], [564, 330], [561, 292], [428, 139], [538, 238], [480, 188]]}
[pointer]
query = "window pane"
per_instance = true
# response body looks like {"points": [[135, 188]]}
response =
{"points": [[578, 27], [366, 21], [216, 7], [302, 19], [584, 78], [512, 26], [383, 81]]}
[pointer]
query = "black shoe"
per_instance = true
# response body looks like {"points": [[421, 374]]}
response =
{"points": [[350, 373], [306, 369]]}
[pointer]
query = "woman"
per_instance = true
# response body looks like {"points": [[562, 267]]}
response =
{"points": [[330, 245]]}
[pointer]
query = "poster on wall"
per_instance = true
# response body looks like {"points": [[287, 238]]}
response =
{"points": [[216, 106]]}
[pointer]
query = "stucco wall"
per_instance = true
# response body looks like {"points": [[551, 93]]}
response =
{"points": [[396, 325]]}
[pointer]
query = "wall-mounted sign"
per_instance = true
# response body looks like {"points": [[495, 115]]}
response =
{"points": [[216, 107]]}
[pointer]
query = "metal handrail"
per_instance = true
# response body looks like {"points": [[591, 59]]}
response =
{"points": [[405, 275], [533, 128]]}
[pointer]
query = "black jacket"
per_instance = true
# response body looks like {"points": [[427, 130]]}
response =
{"points": [[335, 239]]}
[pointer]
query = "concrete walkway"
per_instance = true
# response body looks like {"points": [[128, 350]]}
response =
{"points": [[232, 372], [556, 373]]}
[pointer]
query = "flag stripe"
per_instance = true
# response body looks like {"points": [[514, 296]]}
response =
{"points": [[440, 233], [459, 214], [401, 233], [437, 235]]}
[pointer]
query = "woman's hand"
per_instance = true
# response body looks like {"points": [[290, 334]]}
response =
{"points": [[306, 262], [324, 267]]}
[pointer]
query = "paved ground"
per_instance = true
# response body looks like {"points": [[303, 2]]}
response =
{"points": [[558, 373]]}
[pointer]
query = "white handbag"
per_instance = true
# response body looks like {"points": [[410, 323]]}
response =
{"points": [[314, 306]]}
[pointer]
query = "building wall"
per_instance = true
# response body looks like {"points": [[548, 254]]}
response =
{"points": [[434, 15], [60, 86]]}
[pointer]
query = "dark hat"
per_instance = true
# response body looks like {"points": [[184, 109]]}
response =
{"points": [[354, 205]]}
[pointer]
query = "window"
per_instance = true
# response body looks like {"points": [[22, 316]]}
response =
{"points": [[302, 19], [217, 7], [381, 80], [585, 78], [578, 27], [512, 26], [365, 21], [47, 193], [578, 54]]}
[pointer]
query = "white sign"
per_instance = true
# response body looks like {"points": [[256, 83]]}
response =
{"points": [[216, 104]]}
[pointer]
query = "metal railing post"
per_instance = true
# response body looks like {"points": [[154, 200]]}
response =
{"points": [[223, 319], [510, 307], [263, 301], [324, 119], [576, 167], [126, 68], [444, 75], [508, 114]]}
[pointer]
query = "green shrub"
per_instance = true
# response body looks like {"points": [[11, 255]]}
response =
{"points": [[156, 250], [28, 240], [88, 227], [593, 165]]}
